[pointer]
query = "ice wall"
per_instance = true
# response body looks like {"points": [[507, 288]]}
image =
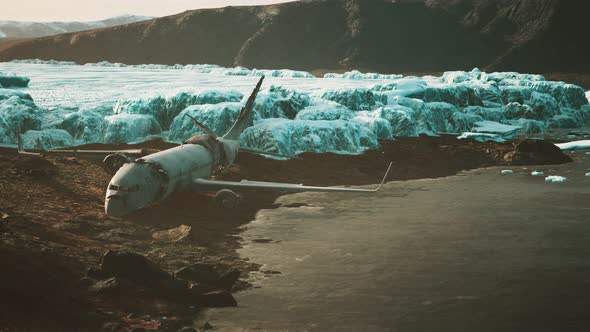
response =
{"points": [[310, 116]]}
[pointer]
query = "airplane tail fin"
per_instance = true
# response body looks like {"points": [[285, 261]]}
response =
{"points": [[242, 121]]}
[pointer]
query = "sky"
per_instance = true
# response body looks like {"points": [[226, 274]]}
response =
{"points": [[88, 10]]}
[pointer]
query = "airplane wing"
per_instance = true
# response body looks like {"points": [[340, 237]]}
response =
{"points": [[214, 185]]}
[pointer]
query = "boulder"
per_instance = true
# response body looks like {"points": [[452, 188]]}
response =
{"points": [[536, 152], [208, 274], [140, 270]]}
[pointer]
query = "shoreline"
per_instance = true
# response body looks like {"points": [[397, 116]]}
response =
{"points": [[55, 228]]}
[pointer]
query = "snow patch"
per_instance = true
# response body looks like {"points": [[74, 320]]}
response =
{"points": [[575, 145], [555, 179]]}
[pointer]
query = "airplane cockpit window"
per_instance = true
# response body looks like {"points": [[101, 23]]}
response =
{"points": [[123, 188]]}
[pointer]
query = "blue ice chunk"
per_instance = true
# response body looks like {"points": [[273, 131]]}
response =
{"points": [[401, 119], [47, 139], [13, 81], [218, 117], [165, 109], [7, 93], [84, 125], [358, 99], [292, 137], [544, 105], [325, 112], [530, 126], [279, 102], [486, 113], [127, 128], [18, 115], [562, 121], [372, 121], [357, 75]]}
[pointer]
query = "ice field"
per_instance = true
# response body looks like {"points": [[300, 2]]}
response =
{"points": [[67, 104]]}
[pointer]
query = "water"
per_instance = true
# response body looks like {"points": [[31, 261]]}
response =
{"points": [[89, 87], [475, 252]]}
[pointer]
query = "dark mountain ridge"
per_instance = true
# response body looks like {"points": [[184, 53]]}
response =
{"points": [[376, 35]]}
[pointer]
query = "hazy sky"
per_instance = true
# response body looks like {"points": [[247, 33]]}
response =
{"points": [[85, 10]]}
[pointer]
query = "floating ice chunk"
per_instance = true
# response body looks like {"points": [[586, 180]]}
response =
{"points": [[575, 145], [506, 172], [47, 139], [12, 80], [537, 173], [588, 96], [291, 137], [587, 174], [126, 128], [555, 179]]}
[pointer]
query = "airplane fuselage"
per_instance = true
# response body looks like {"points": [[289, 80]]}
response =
{"points": [[154, 177]]}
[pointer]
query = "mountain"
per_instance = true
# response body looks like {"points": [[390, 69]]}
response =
{"points": [[16, 29], [372, 35]]}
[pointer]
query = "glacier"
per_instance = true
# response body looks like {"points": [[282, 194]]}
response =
{"points": [[68, 104]]}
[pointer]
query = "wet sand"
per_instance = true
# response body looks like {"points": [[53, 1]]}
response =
{"points": [[478, 251]]}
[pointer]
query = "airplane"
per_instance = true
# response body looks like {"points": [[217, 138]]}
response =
{"points": [[147, 177]]}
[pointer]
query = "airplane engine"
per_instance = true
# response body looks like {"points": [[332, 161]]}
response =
{"points": [[114, 161], [227, 199]]}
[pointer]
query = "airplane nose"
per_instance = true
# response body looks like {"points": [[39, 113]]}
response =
{"points": [[115, 206]]}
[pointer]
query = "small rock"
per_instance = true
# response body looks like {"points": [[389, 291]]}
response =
{"points": [[203, 273], [217, 299], [178, 234], [110, 285], [86, 281], [188, 329], [137, 268], [207, 326], [137, 329], [111, 327]]}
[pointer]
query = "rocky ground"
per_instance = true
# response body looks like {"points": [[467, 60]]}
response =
{"points": [[67, 266]]}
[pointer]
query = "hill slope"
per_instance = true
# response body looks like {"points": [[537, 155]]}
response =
{"points": [[379, 35], [17, 29]]}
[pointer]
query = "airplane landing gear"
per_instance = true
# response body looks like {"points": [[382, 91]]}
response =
{"points": [[227, 199]]}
